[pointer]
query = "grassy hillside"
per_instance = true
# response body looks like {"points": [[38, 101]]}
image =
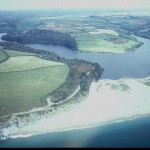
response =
{"points": [[24, 90]]}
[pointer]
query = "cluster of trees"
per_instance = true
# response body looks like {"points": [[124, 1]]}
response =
{"points": [[42, 37], [41, 53], [85, 80], [96, 72]]}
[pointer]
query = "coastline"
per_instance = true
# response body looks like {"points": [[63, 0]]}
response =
{"points": [[80, 128], [99, 108]]}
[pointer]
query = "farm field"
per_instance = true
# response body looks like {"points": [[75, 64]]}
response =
{"points": [[105, 31], [13, 53], [104, 43], [23, 90], [22, 63]]}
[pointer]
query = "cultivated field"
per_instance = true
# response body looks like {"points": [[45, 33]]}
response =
{"points": [[24, 90], [100, 45], [13, 53], [105, 31], [22, 63]]}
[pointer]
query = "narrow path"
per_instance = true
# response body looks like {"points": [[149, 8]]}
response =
{"points": [[73, 94]]}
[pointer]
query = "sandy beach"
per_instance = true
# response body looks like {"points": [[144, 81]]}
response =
{"points": [[108, 101]]}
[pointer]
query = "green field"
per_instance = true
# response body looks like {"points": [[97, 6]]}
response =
{"points": [[13, 53], [103, 43], [25, 63], [24, 90], [2, 56], [104, 46], [105, 31]]}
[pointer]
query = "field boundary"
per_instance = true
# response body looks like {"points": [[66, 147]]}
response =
{"points": [[6, 50], [33, 69]]}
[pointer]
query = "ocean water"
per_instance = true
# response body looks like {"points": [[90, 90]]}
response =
{"points": [[130, 133]]}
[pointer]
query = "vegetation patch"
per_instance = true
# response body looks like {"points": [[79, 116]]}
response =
{"points": [[13, 53], [42, 37], [72, 82], [24, 90], [105, 43], [105, 31], [26, 63]]}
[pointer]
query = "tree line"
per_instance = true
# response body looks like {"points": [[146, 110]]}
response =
{"points": [[42, 37]]}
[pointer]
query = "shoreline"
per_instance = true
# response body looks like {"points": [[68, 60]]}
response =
{"points": [[109, 101], [80, 128]]}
